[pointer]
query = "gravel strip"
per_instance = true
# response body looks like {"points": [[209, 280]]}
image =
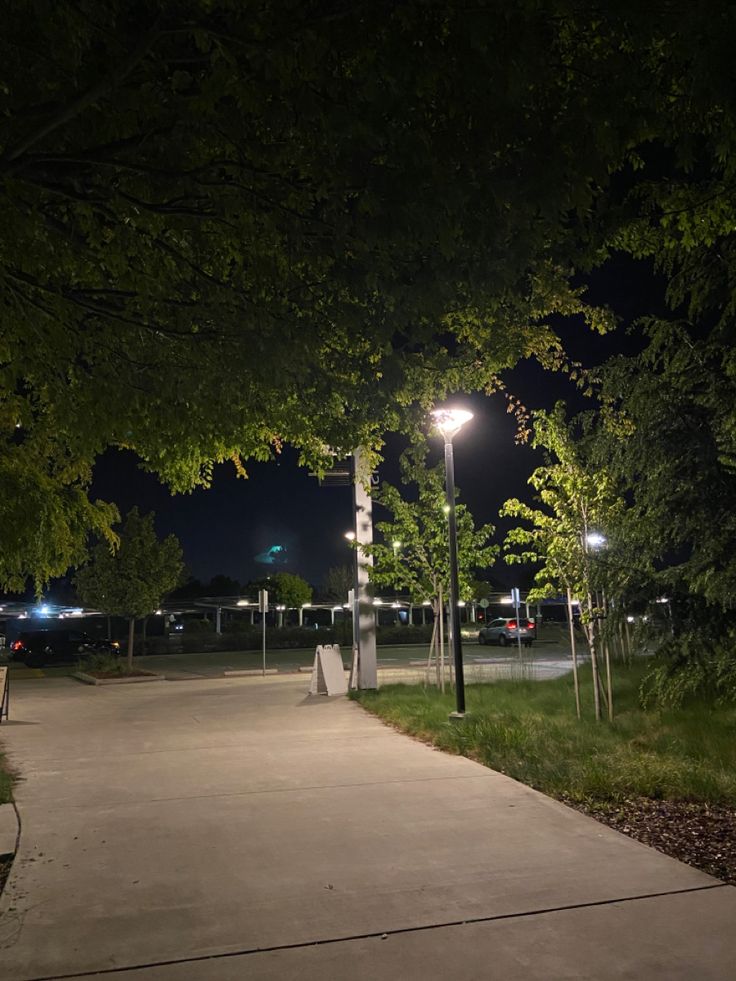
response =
{"points": [[700, 835]]}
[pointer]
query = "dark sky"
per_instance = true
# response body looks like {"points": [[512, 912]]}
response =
{"points": [[222, 529]]}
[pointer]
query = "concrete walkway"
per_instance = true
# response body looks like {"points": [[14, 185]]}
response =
{"points": [[224, 829]]}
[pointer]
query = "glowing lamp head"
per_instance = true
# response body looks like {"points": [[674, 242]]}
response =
{"points": [[350, 535], [449, 422], [595, 539]]}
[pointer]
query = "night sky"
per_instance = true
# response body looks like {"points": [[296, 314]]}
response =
{"points": [[224, 528]]}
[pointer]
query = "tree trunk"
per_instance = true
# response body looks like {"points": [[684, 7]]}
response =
{"points": [[433, 651], [131, 640], [590, 631], [573, 651], [607, 654]]}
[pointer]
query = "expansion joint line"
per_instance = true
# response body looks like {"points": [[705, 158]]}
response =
{"points": [[373, 935]]}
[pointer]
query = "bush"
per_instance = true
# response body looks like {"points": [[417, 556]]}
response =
{"points": [[691, 666], [394, 635], [198, 627], [107, 664]]}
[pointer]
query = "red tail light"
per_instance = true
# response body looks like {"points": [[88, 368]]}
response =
{"points": [[511, 625], [17, 645], [530, 624]]}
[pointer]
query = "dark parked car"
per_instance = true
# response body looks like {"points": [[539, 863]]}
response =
{"points": [[504, 630], [39, 647]]}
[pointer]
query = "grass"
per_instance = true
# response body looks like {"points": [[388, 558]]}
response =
{"points": [[528, 730], [6, 782]]}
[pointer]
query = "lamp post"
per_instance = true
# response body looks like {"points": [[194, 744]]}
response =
{"points": [[396, 545], [592, 541], [449, 422]]}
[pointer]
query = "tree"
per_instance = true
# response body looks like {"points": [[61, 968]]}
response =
{"points": [[419, 562], [339, 580], [289, 589], [578, 501], [132, 580], [221, 585], [173, 226], [669, 436], [190, 191]]}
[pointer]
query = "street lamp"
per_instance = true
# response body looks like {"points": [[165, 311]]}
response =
{"points": [[594, 539], [449, 422]]}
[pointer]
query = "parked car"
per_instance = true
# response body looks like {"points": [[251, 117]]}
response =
{"points": [[39, 647], [504, 630]]}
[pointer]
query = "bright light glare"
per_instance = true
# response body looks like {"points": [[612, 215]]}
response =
{"points": [[377, 602], [44, 611], [461, 602], [350, 535], [306, 606], [242, 603], [450, 421], [595, 539], [396, 544], [507, 600]]}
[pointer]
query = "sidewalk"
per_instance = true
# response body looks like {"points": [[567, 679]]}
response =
{"points": [[237, 828]]}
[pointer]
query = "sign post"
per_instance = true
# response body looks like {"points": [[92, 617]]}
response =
{"points": [[516, 597], [4, 693], [263, 608]]}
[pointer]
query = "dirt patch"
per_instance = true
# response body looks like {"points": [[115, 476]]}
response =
{"points": [[700, 835]]}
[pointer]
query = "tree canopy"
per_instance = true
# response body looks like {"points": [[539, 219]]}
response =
{"points": [[227, 226], [412, 552], [289, 589], [132, 580]]}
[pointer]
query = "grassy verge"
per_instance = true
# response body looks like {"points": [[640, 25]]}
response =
{"points": [[528, 730], [6, 782]]}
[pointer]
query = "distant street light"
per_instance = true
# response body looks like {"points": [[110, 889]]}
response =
{"points": [[594, 539], [449, 422]]}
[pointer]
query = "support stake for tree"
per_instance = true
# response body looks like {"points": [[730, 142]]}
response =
{"points": [[573, 650]]}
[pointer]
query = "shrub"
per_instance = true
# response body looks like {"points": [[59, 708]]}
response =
{"points": [[198, 627], [395, 634], [102, 663], [692, 666]]}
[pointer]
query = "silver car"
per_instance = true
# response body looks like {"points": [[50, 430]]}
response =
{"points": [[505, 630]]}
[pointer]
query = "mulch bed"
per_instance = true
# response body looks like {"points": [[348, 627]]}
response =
{"points": [[6, 862], [701, 835]]}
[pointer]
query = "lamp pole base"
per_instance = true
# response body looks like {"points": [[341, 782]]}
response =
{"points": [[458, 716]]}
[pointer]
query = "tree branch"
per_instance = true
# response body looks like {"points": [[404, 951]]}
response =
{"points": [[87, 98]]}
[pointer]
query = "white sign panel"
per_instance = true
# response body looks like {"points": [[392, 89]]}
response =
{"points": [[328, 673]]}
